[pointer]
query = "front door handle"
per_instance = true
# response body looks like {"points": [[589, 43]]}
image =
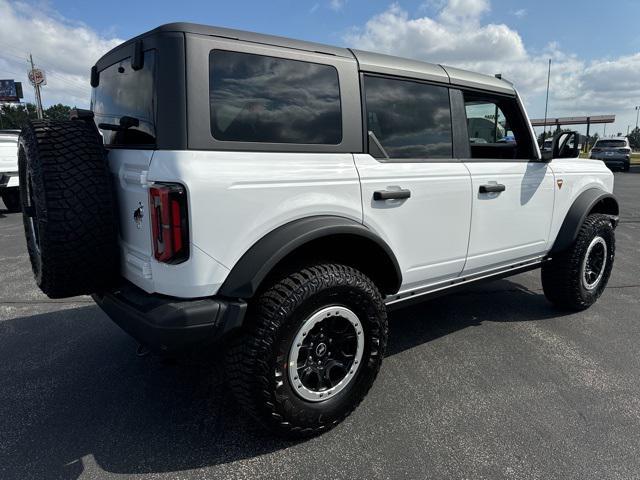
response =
{"points": [[391, 194], [492, 188]]}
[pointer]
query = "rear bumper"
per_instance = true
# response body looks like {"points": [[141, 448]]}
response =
{"points": [[168, 324], [616, 163]]}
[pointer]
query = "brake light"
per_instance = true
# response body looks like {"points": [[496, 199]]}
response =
{"points": [[169, 222]]}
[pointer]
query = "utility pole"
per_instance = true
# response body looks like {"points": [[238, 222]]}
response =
{"points": [[546, 104], [36, 86], [637, 113]]}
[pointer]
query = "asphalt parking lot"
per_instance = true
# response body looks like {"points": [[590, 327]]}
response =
{"points": [[488, 383]]}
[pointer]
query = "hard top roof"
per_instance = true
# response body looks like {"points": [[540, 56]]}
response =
{"points": [[368, 61]]}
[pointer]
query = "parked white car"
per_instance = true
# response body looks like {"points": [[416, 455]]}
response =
{"points": [[277, 197], [9, 169]]}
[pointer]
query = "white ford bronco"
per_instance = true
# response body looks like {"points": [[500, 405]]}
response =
{"points": [[275, 198]]}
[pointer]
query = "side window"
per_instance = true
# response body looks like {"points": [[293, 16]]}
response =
{"points": [[497, 128], [486, 123], [255, 98], [409, 119]]}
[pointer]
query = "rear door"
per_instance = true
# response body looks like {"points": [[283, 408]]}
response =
{"points": [[513, 192], [414, 193], [124, 93]]}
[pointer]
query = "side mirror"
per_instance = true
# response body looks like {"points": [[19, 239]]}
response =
{"points": [[566, 145]]}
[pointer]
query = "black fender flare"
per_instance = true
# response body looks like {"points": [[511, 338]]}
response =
{"points": [[592, 199], [259, 260]]}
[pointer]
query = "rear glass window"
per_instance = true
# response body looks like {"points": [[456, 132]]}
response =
{"points": [[409, 119], [255, 98], [125, 92], [611, 143]]}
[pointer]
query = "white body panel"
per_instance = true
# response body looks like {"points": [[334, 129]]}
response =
{"points": [[577, 175], [513, 224], [428, 232], [447, 228], [235, 198], [199, 276]]}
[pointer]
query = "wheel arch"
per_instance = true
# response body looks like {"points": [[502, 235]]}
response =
{"points": [[592, 200], [310, 239]]}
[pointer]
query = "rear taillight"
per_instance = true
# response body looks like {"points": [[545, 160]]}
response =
{"points": [[169, 222]]}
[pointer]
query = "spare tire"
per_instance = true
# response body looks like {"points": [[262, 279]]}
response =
{"points": [[68, 207]]}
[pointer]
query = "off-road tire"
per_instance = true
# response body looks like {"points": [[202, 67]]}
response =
{"points": [[255, 359], [66, 192], [11, 199], [562, 276]]}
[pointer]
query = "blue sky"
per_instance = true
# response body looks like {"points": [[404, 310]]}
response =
{"points": [[595, 46], [590, 28]]}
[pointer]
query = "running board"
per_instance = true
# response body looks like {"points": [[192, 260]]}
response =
{"points": [[420, 294]]}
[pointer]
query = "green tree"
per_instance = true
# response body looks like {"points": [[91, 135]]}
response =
{"points": [[14, 116], [57, 112], [634, 138], [543, 136]]}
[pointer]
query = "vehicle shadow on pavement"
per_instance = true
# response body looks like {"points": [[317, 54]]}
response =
{"points": [[497, 301], [77, 399]]}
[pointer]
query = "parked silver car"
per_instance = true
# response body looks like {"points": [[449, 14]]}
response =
{"points": [[614, 152]]}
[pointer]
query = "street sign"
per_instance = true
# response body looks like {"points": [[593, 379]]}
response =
{"points": [[10, 91], [37, 77]]}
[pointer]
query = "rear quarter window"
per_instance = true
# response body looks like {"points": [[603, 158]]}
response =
{"points": [[257, 98]]}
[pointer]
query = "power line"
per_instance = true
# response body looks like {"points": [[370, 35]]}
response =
{"points": [[52, 71], [77, 86]]}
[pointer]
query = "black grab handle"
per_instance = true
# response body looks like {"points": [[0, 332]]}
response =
{"points": [[391, 194], [492, 188]]}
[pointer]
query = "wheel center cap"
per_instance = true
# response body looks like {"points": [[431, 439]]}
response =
{"points": [[321, 349]]}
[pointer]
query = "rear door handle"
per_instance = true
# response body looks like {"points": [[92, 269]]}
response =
{"points": [[391, 194], [492, 188]]}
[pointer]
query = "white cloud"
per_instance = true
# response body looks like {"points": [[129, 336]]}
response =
{"points": [[464, 11], [521, 13], [65, 50], [337, 4], [457, 35]]}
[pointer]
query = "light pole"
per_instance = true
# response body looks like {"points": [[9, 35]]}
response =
{"points": [[637, 113]]}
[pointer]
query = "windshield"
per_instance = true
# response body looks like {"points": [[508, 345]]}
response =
{"points": [[125, 92], [611, 143]]}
